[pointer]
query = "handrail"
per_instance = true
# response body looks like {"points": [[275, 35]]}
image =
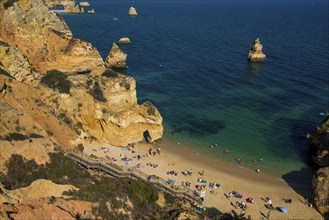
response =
{"points": [[117, 171]]}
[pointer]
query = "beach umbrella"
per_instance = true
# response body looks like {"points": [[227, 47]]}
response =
{"points": [[282, 209]]}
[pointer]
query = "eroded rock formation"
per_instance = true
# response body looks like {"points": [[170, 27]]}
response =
{"points": [[132, 11], [79, 101], [319, 144], [45, 39], [69, 5], [256, 52], [321, 191], [116, 58]]}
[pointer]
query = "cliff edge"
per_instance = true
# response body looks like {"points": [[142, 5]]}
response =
{"points": [[55, 87]]}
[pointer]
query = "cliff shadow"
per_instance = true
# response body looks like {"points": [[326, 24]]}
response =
{"points": [[300, 181]]}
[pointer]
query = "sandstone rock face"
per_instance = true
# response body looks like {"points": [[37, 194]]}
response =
{"points": [[256, 52], [45, 39], [321, 191], [124, 40], [319, 144], [44, 209], [38, 189], [69, 5], [132, 11], [98, 106], [15, 63], [116, 58]]}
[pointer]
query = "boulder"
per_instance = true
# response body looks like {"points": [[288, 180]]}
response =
{"points": [[92, 11], [132, 11], [124, 40], [116, 58], [321, 191], [256, 52]]}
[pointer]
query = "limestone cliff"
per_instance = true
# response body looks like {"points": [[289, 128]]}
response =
{"points": [[319, 144], [69, 5], [55, 90], [321, 191], [44, 38], [256, 52], [116, 58]]}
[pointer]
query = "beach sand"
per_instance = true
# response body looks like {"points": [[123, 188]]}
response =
{"points": [[231, 177]]}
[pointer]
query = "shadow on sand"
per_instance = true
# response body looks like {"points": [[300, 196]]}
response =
{"points": [[300, 181]]}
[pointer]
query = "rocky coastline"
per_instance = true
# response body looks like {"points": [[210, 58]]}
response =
{"points": [[319, 146]]}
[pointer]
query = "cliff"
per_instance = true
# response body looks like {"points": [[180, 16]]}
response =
{"points": [[319, 144], [321, 191], [45, 70], [45, 39]]}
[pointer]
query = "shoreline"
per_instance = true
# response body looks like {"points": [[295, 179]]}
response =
{"points": [[247, 182]]}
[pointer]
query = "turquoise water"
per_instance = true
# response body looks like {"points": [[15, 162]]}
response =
{"points": [[189, 59]]}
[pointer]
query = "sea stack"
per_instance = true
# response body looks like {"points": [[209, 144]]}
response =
{"points": [[256, 54], [116, 58], [132, 12], [124, 40]]}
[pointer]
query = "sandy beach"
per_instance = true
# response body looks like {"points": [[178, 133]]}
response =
{"points": [[248, 183]]}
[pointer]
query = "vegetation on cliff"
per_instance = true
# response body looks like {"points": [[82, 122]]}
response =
{"points": [[111, 194], [57, 80]]}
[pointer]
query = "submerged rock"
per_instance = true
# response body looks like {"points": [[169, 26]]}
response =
{"points": [[124, 40], [256, 52], [321, 191], [132, 12], [116, 58]]}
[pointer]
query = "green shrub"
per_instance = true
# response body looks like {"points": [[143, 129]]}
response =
{"points": [[142, 192], [95, 90], [110, 73], [97, 189], [14, 137], [9, 3], [57, 80]]}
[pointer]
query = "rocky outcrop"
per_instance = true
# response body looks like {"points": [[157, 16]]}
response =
{"points": [[116, 58], [256, 52], [98, 106], [84, 4], [45, 39], [132, 11], [45, 209], [124, 40], [38, 189], [69, 5], [321, 191], [319, 144], [16, 64], [92, 11]]}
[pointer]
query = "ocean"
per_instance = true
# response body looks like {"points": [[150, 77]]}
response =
{"points": [[189, 58]]}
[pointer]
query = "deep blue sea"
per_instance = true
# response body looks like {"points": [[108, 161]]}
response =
{"points": [[190, 59]]}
